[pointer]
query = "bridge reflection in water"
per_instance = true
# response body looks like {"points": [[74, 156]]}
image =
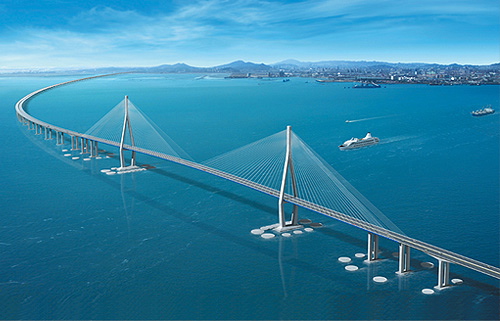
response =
{"points": [[280, 165]]}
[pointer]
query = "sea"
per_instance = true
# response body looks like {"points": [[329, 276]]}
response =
{"points": [[174, 243]]}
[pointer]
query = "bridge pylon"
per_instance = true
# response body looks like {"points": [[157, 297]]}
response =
{"points": [[127, 126], [283, 224]]}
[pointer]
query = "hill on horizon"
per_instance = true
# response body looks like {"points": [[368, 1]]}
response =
{"points": [[240, 66]]}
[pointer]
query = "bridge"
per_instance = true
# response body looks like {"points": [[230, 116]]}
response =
{"points": [[331, 195]]}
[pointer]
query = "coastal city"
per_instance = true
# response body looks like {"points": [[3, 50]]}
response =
{"points": [[373, 72], [383, 73]]}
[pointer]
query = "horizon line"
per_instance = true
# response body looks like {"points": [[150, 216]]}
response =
{"points": [[75, 68]]}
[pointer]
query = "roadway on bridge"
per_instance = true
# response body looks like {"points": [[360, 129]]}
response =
{"points": [[434, 251]]}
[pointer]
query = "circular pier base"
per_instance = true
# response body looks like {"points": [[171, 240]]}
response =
{"points": [[257, 231], [267, 235], [379, 279], [344, 259], [428, 291]]}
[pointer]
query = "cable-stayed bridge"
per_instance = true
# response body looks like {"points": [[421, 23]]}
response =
{"points": [[281, 165]]}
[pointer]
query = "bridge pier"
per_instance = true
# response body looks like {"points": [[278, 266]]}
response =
{"points": [[404, 258], [94, 152], [59, 138], [84, 146], [372, 247], [443, 274]]}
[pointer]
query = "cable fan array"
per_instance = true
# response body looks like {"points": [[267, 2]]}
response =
{"points": [[146, 133], [261, 162], [317, 182]]}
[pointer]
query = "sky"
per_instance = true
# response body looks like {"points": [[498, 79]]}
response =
{"points": [[38, 34]]}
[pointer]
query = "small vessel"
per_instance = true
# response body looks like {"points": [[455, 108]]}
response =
{"points": [[481, 112], [357, 142]]}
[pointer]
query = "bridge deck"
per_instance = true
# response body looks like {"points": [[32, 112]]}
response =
{"points": [[436, 252]]}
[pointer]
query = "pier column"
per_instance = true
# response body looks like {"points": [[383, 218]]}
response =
{"points": [[404, 258], [84, 146], [443, 274], [93, 149], [59, 138], [372, 247]]}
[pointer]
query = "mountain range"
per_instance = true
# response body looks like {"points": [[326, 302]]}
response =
{"points": [[240, 66]]}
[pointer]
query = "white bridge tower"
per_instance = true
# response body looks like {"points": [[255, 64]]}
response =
{"points": [[126, 125]]}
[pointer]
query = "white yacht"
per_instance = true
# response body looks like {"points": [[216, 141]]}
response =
{"points": [[357, 142], [485, 111]]}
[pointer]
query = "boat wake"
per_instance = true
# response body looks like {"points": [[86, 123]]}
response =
{"points": [[369, 118], [396, 139]]}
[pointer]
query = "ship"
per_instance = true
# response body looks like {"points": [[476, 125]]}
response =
{"points": [[366, 85], [357, 142], [481, 112]]}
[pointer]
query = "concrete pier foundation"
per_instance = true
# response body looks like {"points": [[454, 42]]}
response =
{"points": [[373, 249], [404, 258], [443, 274]]}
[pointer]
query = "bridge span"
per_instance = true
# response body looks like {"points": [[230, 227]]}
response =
{"points": [[89, 143]]}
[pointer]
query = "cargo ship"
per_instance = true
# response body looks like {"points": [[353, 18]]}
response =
{"points": [[366, 85]]}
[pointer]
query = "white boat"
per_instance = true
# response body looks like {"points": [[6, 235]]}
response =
{"points": [[485, 111], [357, 142]]}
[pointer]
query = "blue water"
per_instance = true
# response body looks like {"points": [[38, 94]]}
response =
{"points": [[175, 243]]}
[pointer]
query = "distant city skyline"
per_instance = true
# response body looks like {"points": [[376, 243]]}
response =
{"points": [[203, 33]]}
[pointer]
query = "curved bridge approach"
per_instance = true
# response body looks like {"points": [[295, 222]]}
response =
{"points": [[286, 192]]}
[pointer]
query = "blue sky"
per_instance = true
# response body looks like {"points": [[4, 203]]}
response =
{"points": [[90, 33]]}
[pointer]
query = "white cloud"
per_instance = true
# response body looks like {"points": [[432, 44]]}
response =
{"points": [[219, 29]]}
